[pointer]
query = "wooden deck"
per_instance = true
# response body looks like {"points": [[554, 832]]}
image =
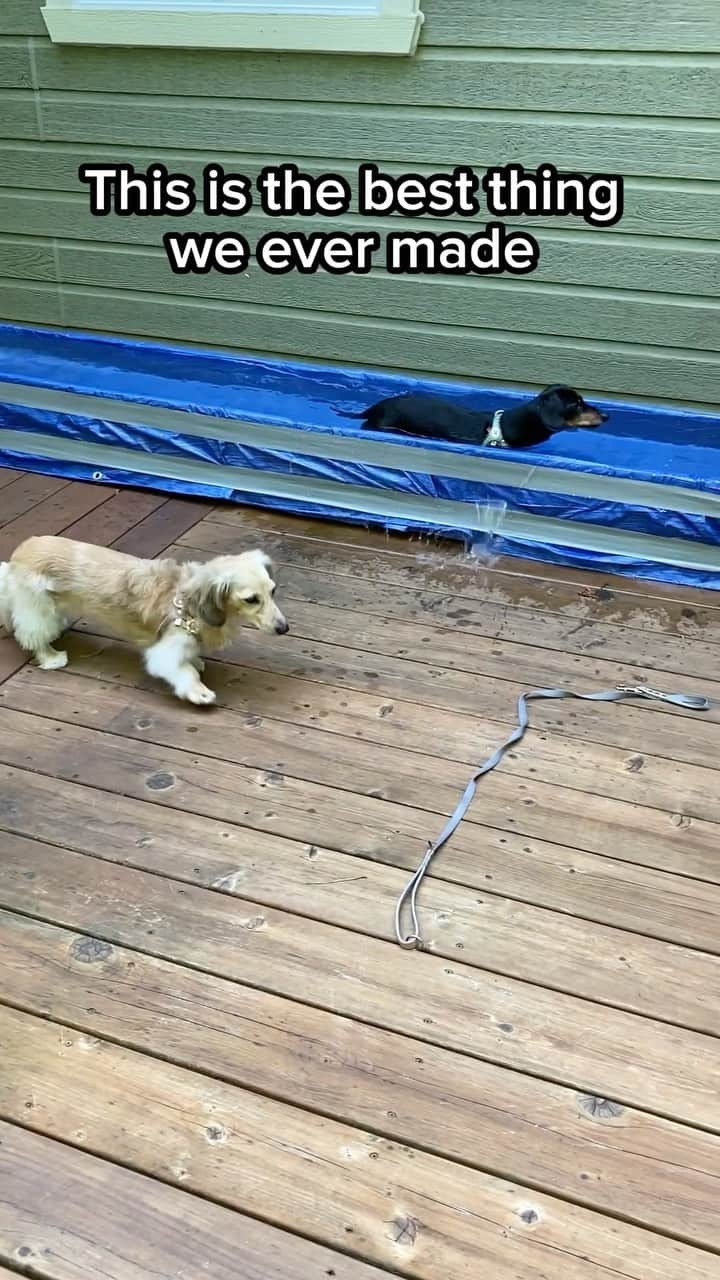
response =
{"points": [[214, 1061]]}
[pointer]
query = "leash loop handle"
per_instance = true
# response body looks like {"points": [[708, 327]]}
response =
{"points": [[406, 908]]}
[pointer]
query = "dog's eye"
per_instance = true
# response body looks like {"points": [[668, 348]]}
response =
{"points": [[272, 593], [252, 599]]}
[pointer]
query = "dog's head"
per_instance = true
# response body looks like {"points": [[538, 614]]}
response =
{"points": [[562, 408], [236, 590]]}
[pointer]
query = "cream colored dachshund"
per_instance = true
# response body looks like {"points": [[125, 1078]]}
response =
{"points": [[172, 612]]}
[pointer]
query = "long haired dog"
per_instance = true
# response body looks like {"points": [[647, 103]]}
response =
{"points": [[171, 611]]}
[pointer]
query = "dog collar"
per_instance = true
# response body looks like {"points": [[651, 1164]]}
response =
{"points": [[495, 438], [182, 618]]}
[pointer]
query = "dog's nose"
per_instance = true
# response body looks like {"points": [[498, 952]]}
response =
{"points": [[282, 628]]}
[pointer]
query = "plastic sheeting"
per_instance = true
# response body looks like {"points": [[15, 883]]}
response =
{"points": [[672, 448], [658, 522]]}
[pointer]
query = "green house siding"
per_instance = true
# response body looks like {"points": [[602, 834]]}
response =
{"points": [[633, 89]]}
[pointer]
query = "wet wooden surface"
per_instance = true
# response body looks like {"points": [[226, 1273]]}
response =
{"points": [[201, 990]]}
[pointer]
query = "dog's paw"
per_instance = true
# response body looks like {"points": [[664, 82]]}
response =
{"points": [[52, 661], [201, 696]]}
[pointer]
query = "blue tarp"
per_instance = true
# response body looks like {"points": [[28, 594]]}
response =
{"points": [[675, 448]]}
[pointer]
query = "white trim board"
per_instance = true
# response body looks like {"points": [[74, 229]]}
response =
{"points": [[393, 30], [365, 449], [432, 512]]}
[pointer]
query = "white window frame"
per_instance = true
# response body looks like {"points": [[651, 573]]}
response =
{"points": [[309, 26]]}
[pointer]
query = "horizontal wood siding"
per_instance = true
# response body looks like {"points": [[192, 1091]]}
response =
{"points": [[633, 89]]}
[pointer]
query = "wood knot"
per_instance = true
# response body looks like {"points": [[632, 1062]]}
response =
{"points": [[216, 1133], [386, 710], [529, 1216], [90, 950], [681, 821], [600, 1108], [404, 1230], [272, 779], [255, 922], [160, 781]]}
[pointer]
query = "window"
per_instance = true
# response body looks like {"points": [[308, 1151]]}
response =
{"points": [[332, 26]]}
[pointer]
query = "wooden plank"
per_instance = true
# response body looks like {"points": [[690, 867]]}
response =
{"points": [[665, 840], [604, 259], [493, 694], [31, 303], [385, 721], [399, 1088], [500, 935], [408, 774], [670, 208], [68, 1215], [261, 866], [547, 758], [473, 79], [513, 1024], [493, 933], [54, 514], [33, 259], [322, 1177], [11, 658], [462, 605], [7, 476], [664, 321], [19, 114], [26, 492], [22, 18], [649, 24], [497, 599], [609, 890], [391, 721], [114, 518], [669, 600], [153, 535], [518, 940], [413, 135], [14, 64], [638, 602], [514, 662]]}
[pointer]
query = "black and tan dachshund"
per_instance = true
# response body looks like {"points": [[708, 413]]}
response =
{"points": [[557, 408]]}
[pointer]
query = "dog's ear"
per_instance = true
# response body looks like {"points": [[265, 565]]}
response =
{"points": [[553, 406], [212, 603], [264, 559]]}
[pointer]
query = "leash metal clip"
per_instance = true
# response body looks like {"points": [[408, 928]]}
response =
{"points": [[646, 691]]}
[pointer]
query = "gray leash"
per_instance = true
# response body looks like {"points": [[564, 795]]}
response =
{"points": [[407, 902]]}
